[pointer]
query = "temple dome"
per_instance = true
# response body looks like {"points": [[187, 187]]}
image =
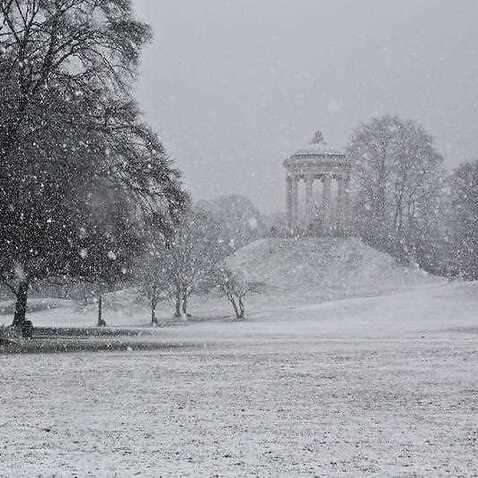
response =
{"points": [[317, 147], [314, 149], [317, 154]]}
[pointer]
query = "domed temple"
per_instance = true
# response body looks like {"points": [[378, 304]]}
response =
{"points": [[323, 208]]}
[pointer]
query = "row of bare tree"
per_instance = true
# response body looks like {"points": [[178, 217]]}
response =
{"points": [[193, 260]]}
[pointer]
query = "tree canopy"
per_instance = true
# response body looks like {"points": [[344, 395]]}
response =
{"points": [[72, 140]]}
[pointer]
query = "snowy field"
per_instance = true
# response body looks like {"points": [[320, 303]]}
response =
{"points": [[383, 385]]}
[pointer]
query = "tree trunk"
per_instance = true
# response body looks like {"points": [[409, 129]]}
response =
{"points": [[154, 303], [177, 314], [101, 322], [21, 305], [185, 306], [234, 305], [241, 309]]}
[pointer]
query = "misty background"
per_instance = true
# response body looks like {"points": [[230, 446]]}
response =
{"points": [[236, 86]]}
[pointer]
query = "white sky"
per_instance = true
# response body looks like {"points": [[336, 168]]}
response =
{"points": [[235, 86]]}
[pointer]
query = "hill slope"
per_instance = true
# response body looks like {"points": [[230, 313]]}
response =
{"points": [[326, 268]]}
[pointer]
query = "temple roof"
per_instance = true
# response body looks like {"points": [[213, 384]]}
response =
{"points": [[318, 157], [317, 147]]}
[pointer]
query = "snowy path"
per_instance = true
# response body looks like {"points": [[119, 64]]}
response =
{"points": [[376, 386]]}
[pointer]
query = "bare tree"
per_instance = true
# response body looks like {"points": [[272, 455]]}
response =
{"points": [[463, 221], [399, 185], [240, 222], [234, 286], [154, 273], [194, 253]]}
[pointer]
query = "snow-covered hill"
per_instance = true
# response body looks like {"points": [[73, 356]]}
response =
{"points": [[326, 268]]}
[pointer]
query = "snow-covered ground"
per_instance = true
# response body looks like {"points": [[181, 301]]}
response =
{"points": [[383, 384]]}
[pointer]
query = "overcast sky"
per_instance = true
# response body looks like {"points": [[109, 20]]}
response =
{"points": [[235, 86]]}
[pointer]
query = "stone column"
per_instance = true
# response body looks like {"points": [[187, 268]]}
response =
{"points": [[309, 203], [326, 202], [346, 207], [289, 196], [295, 202], [340, 203]]}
